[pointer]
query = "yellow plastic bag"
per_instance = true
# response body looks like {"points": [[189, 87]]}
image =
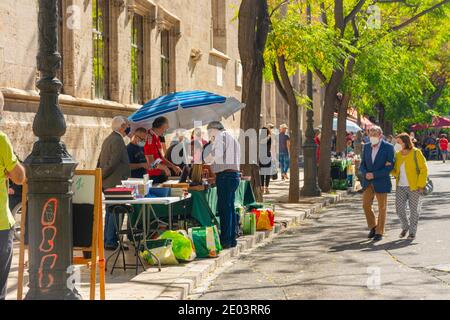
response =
{"points": [[264, 219]]}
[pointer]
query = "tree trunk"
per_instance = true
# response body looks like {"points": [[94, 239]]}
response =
{"points": [[286, 89], [341, 142], [253, 31], [331, 91], [358, 141], [294, 182], [385, 124]]}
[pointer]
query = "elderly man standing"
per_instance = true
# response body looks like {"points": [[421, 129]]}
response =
{"points": [[225, 160], [115, 167], [10, 169], [376, 165]]}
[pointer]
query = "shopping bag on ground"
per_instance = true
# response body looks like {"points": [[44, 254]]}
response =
{"points": [[181, 245], [162, 250], [240, 211], [249, 223], [265, 219], [192, 255], [206, 241]]}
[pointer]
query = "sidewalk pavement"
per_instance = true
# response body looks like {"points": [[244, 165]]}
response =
{"points": [[179, 282]]}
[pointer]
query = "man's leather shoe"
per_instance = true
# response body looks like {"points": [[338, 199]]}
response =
{"points": [[378, 237], [371, 234]]}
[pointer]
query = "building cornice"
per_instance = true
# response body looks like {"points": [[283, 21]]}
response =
{"points": [[26, 96]]}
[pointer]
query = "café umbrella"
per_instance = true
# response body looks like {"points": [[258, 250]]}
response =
{"points": [[185, 110], [350, 126]]}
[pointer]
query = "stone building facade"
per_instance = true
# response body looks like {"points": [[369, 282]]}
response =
{"points": [[117, 54]]}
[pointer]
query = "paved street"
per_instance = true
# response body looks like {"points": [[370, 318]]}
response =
{"points": [[329, 257]]}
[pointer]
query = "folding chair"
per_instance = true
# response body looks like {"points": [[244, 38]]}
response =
{"points": [[93, 253]]}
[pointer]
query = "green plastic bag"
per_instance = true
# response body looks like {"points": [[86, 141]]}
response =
{"points": [[240, 211], [249, 224], [181, 245], [206, 241]]}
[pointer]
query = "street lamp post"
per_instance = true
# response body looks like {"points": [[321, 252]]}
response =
{"points": [[311, 183], [50, 169]]}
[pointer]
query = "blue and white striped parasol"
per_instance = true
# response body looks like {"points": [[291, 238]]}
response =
{"points": [[184, 108], [350, 126]]}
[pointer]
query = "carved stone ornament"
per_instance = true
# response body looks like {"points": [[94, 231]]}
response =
{"points": [[196, 54]]}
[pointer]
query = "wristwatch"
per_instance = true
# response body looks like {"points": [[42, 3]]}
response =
{"points": [[155, 164]]}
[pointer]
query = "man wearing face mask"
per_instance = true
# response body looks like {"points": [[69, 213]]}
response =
{"points": [[115, 165], [376, 165], [138, 162]]}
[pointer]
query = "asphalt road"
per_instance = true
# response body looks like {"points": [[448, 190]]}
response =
{"points": [[329, 256]]}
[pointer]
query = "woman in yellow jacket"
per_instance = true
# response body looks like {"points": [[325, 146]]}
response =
{"points": [[411, 172]]}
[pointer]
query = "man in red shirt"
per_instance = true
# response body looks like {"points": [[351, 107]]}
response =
{"points": [[443, 146], [153, 150]]}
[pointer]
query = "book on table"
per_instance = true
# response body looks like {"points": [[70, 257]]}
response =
{"points": [[119, 193]]}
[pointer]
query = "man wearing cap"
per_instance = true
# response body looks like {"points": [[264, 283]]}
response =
{"points": [[225, 158], [284, 146]]}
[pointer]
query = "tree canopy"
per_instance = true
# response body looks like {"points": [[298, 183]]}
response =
{"points": [[400, 50]]}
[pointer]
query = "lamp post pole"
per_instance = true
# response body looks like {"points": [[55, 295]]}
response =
{"points": [[50, 169], [311, 184]]}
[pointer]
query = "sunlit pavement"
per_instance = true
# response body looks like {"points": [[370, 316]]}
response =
{"points": [[330, 256]]}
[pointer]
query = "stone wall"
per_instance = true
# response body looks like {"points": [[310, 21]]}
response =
{"points": [[88, 119]]}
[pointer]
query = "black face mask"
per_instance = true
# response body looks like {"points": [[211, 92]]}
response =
{"points": [[127, 131]]}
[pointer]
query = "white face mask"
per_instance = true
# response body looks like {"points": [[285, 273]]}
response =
{"points": [[141, 144], [374, 140], [398, 147]]}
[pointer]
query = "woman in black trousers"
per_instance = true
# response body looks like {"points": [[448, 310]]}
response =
{"points": [[265, 158]]}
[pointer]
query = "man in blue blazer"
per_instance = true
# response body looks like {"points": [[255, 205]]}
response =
{"points": [[376, 165]]}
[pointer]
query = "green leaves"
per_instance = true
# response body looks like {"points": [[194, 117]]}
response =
{"points": [[404, 69]]}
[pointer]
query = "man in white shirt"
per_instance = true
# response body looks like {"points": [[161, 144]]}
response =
{"points": [[225, 160]]}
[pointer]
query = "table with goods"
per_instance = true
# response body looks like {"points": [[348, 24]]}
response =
{"points": [[180, 221], [344, 172]]}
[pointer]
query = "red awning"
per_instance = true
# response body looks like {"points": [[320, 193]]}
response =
{"points": [[441, 122], [438, 122]]}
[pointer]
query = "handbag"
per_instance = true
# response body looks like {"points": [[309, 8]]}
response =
{"points": [[274, 171], [429, 186]]}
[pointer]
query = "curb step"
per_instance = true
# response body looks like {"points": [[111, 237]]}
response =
{"points": [[200, 270]]}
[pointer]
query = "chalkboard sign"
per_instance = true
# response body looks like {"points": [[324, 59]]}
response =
{"points": [[87, 228], [83, 202]]}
